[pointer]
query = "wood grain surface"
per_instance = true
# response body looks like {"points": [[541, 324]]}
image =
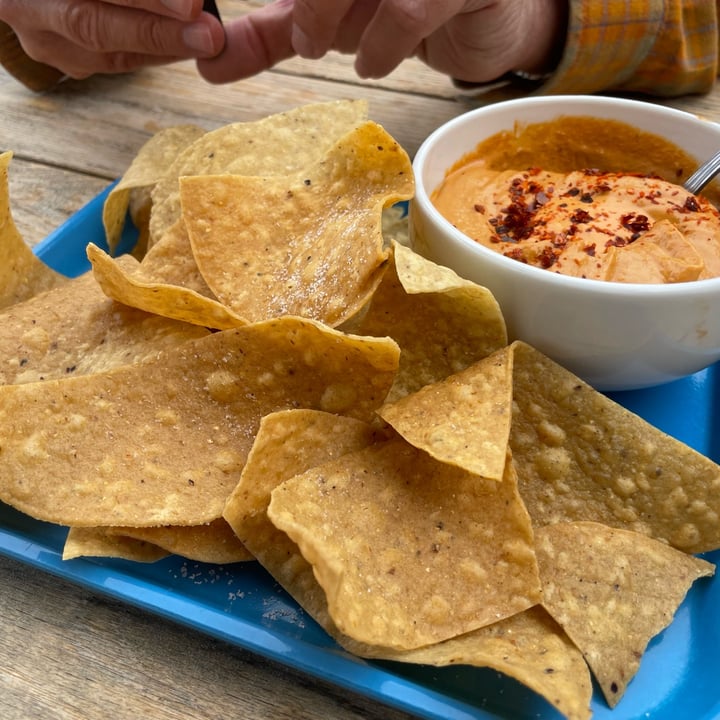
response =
{"points": [[66, 652]]}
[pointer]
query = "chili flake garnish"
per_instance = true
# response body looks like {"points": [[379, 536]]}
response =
{"points": [[635, 223]]}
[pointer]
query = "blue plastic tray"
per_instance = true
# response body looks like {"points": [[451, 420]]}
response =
{"points": [[241, 604]]}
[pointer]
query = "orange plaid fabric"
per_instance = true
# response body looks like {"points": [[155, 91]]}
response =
{"points": [[659, 47]]}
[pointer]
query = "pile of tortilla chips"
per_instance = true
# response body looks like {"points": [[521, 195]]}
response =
{"points": [[271, 377]]}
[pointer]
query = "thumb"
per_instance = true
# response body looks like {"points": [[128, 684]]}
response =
{"points": [[253, 43]]}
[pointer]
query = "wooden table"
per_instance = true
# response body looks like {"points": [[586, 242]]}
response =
{"points": [[66, 652]]}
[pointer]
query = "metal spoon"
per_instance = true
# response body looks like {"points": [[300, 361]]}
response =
{"points": [[703, 175]]}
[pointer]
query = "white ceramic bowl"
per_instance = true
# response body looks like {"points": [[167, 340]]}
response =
{"points": [[616, 336]]}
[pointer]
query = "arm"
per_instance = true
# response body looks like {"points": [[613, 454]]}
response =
{"points": [[658, 47]]}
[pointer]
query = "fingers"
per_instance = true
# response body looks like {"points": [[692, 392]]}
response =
{"points": [[382, 32], [396, 30], [180, 9], [316, 24], [254, 43], [109, 27], [78, 63], [83, 37]]}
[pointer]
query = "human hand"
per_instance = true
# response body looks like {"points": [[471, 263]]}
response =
{"points": [[84, 37], [475, 41]]}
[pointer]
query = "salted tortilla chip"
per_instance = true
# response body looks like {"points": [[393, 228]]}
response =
{"points": [[212, 542], [170, 301], [149, 165], [612, 591], [22, 273], [463, 420], [309, 244], [98, 542], [287, 443], [395, 225], [170, 262], [529, 646], [139, 208], [163, 442], [442, 322], [410, 551], [278, 144], [74, 329], [581, 456]]}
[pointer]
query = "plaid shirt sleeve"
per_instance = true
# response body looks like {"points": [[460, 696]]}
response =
{"points": [[658, 47]]}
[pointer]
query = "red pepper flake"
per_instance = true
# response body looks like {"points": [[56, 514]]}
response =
{"points": [[590, 250], [691, 204], [635, 223], [516, 254], [617, 241], [581, 216], [477, 207], [548, 257], [516, 224]]}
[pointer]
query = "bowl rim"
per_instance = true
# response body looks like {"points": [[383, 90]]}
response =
{"points": [[691, 288]]}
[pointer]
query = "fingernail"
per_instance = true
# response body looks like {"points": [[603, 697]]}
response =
{"points": [[181, 8], [198, 37]]}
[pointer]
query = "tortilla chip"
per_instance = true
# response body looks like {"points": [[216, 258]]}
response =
{"points": [[149, 165], [410, 551], [463, 420], [213, 542], [442, 322], [612, 591], [139, 208], [530, 647], [581, 456], [98, 542], [309, 244], [74, 329], [279, 144], [22, 273], [288, 442], [170, 301], [170, 262], [163, 442], [395, 227]]}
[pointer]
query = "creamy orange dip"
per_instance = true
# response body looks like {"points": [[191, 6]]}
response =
{"points": [[624, 223], [605, 226]]}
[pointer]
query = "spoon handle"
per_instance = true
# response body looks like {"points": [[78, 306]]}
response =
{"points": [[703, 175]]}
